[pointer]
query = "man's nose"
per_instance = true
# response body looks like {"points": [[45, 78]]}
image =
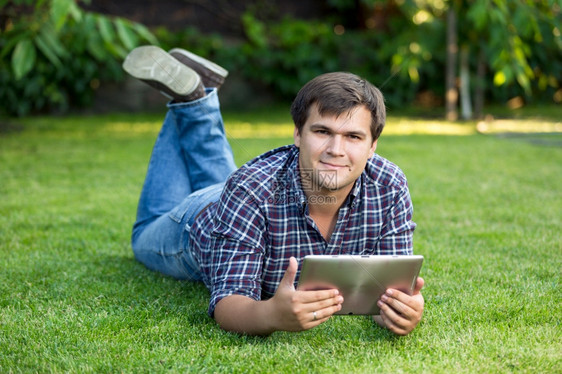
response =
{"points": [[336, 146]]}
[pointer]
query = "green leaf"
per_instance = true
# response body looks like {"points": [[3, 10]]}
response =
{"points": [[524, 81], [43, 46], [478, 14], [144, 33], [59, 12], [88, 25], [117, 50], [106, 29], [51, 39], [75, 11], [255, 30], [96, 48], [23, 58], [128, 38], [12, 41]]}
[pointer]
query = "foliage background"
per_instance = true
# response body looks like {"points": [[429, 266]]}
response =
{"points": [[54, 54], [72, 297]]}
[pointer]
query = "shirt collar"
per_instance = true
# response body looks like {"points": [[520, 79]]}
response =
{"points": [[294, 180]]}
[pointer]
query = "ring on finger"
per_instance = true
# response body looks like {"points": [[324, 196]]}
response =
{"points": [[314, 316]]}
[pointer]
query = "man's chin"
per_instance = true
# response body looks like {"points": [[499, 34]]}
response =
{"points": [[330, 187], [335, 184]]}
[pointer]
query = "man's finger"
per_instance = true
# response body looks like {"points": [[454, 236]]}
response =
{"points": [[398, 303], [288, 280], [395, 298], [419, 285], [391, 325]]}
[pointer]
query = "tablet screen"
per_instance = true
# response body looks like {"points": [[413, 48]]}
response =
{"points": [[361, 280]]}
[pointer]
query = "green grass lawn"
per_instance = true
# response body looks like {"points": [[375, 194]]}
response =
{"points": [[73, 299]]}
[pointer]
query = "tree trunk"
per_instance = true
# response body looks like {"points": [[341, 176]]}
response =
{"points": [[451, 94], [466, 104], [480, 84]]}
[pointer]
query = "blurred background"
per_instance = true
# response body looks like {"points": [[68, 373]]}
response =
{"points": [[454, 57]]}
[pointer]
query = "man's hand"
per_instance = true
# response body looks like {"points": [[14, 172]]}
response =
{"points": [[400, 312], [302, 310], [287, 310]]}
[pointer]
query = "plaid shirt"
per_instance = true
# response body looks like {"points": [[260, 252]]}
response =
{"points": [[244, 241]]}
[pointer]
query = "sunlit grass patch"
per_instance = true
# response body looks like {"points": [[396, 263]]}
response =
{"points": [[278, 123], [394, 126], [495, 126], [239, 129], [409, 126]]}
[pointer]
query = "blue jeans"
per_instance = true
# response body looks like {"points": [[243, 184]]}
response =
{"points": [[190, 162]]}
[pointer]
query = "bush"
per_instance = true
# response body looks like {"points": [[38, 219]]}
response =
{"points": [[54, 54], [284, 55]]}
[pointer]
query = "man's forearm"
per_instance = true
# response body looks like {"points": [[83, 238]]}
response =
{"points": [[287, 310], [244, 315]]}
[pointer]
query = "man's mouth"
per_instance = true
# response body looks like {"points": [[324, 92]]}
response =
{"points": [[329, 165]]}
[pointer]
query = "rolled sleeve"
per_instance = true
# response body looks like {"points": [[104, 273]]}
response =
{"points": [[238, 247]]}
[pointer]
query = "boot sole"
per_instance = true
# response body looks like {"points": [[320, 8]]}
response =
{"points": [[209, 65], [154, 65]]}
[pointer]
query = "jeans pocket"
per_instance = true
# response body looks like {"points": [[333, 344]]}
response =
{"points": [[195, 202], [180, 211]]}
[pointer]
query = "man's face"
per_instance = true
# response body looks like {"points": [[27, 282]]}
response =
{"points": [[334, 150]]}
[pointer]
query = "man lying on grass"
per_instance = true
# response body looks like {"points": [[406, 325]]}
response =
{"points": [[243, 231]]}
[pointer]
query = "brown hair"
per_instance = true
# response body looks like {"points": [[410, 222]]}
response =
{"points": [[337, 93]]}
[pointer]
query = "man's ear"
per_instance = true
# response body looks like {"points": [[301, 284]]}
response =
{"points": [[297, 137], [374, 146]]}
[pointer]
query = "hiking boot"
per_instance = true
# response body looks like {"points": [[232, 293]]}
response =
{"points": [[157, 68], [211, 74]]}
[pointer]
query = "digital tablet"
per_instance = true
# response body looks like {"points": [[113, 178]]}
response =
{"points": [[361, 280]]}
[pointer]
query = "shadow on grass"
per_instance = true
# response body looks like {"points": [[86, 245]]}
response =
{"points": [[545, 139], [122, 283], [7, 127]]}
